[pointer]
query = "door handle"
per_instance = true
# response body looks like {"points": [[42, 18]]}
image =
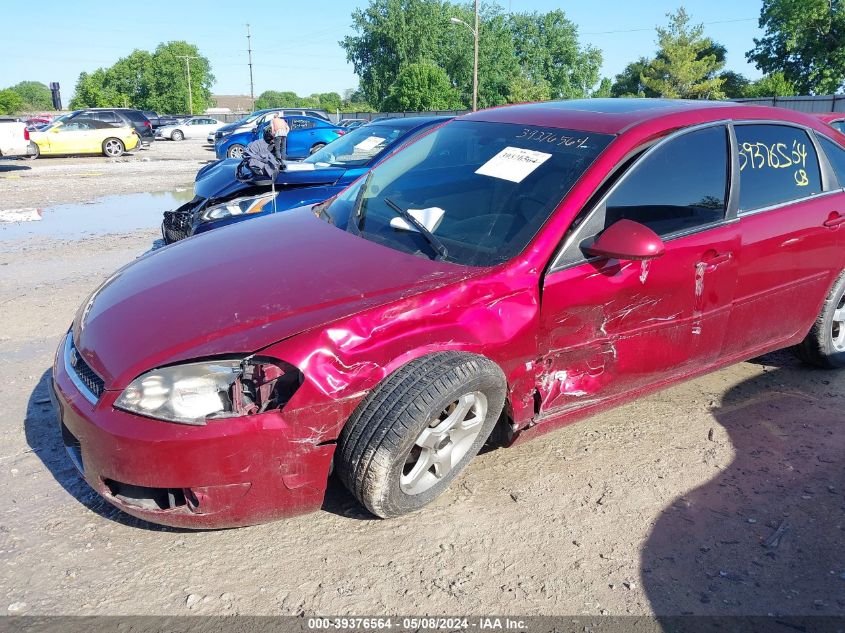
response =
{"points": [[713, 260], [834, 220]]}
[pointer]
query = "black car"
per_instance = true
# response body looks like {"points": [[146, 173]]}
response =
{"points": [[160, 120], [120, 116]]}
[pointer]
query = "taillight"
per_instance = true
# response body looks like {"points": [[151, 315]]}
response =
{"points": [[25, 134], [148, 124], [339, 132]]}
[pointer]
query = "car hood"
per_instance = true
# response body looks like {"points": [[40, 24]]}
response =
{"points": [[218, 182], [238, 290]]}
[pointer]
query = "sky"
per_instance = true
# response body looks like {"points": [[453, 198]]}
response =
{"points": [[295, 44]]}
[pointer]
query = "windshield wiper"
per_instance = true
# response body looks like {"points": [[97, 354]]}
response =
{"points": [[433, 240], [358, 209]]}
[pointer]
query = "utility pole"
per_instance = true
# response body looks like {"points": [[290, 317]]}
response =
{"points": [[474, 32], [188, 59], [475, 64], [249, 51]]}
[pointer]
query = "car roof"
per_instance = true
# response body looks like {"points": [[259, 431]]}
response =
{"points": [[829, 117], [615, 116], [406, 123]]}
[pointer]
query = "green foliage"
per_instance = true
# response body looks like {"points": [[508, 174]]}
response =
{"points": [[10, 101], [547, 48], [34, 95], [149, 81], [276, 99], [604, 90], [686, 62], [629, 82], [519, 54], [734, 84], [774, 85], [421, 87], [522, 89], [804, 40]]}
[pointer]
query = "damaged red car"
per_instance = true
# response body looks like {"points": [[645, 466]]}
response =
{"points": [[510, 272]]}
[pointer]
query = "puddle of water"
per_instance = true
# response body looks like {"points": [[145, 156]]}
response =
{"points": [[112, 214]]}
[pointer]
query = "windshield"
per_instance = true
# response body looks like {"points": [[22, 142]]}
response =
{"points": [[482, 189], [357, 148]]}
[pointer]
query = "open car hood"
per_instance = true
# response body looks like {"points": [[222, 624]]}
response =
{"points": [[218, 181], [240, 290]]}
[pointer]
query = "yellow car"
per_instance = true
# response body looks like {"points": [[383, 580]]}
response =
{"points": [[84, 136]]}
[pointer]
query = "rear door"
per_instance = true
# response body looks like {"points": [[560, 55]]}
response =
{"points": [[610, 327], [301, 136], [791, 248]]}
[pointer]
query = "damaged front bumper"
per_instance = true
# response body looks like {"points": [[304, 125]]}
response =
{"points": [[228, 473]]}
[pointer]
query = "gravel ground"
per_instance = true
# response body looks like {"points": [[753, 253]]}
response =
{"points": [[722, 495], [52, 180]]}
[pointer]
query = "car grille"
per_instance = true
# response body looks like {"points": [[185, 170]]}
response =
{"points": [[87, 376], [176, 226]]}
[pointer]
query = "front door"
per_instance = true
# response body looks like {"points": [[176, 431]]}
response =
{"points": [[610, 327]]}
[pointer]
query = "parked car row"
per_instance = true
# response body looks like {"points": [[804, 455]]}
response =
{"points": [[483, 279], [307, 135]]}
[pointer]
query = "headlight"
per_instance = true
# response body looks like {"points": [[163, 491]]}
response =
{"points": [[238, 206], [196, 392]]}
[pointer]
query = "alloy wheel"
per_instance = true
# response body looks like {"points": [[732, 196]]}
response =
{"points": [[443, 443], [113, 147], [838, 326]]}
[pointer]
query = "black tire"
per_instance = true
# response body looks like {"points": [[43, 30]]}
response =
{"points": [[376, 444], [113, 148], [177, 135], [820, 347], [316, 148], [235, 151]]}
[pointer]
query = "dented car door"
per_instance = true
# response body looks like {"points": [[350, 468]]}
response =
{"points": [[610, 327]]}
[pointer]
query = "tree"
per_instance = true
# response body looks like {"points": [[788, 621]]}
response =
{"points": [[604, 90], [543, 48], [167, 80], [149, 81], [422, 87], [547, 48], [804, 40], [686, 62], [734, 84], [522, 89], [34, 95], [275, 99], [329, 101], [10, 101], [774, 85], [629, 82]]}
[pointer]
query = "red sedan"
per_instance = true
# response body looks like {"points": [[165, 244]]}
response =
{"points": [[510, 272]]}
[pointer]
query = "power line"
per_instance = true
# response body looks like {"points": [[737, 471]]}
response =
{"points": [[249, 51], [651, 28]]}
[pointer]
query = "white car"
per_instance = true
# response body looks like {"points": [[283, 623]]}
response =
{"points": [[197, 127]]}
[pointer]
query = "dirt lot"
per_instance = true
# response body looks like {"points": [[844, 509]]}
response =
{"points": [[724, 495]]}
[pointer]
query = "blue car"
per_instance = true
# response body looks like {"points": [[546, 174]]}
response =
{"points": [[221, 198], [307, 135]]}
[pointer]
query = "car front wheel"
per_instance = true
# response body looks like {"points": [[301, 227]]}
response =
{"points": [[414, 433], [177, 135], [824, 346], [236, 151], [113, 147]]}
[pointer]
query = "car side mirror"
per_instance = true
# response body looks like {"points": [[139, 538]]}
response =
{"points": [[627, 239]]}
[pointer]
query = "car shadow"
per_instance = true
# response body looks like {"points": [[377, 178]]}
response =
{"points": [[45, 440], [766, 534], [10, 166]]}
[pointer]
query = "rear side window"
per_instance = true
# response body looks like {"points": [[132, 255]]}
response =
{"points": [[108, 117], [134, 115], [777, 164], [836, 156], [301, 124], [839, 125], [681, 185]]}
